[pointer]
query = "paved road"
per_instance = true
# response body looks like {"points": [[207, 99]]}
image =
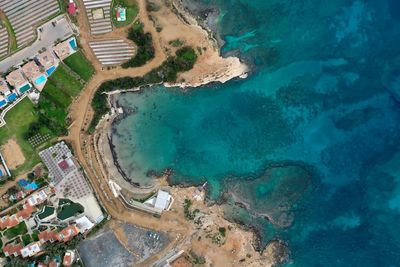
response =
{"points": [[46, 39]]}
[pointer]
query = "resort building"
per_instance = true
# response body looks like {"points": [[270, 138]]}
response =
{"points": [[49, 61], [5, 92], [12, 250], [66, 48], [69, 180], [34, 74], [31, 250], [17, 80]]}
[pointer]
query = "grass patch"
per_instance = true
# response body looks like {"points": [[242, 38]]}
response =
{"points": [[184, 60], [18, 120], [132, 11], [70, 210], [26, 239], [79, 64], [176, 43], [35, 235], [12, 40], [19, 229], [54, 101], [145, 48], [65, 81]]}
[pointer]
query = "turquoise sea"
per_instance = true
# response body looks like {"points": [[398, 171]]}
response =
{"points": [[309, 142]]}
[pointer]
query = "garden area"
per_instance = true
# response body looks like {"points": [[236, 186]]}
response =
{"points": [[54, 101], [80, 65], [18, 120], [17, 230], [132, 11]]}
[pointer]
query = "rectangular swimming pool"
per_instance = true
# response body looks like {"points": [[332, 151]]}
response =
{"points": [[12, 97], [40, 80], [25, 88], [72, 43], [50, 70]]}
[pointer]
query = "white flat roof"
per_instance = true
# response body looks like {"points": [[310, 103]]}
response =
{"points": [[162, 200]]}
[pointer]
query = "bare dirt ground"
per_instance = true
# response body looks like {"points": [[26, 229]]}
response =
{"points": [[12, 154]]}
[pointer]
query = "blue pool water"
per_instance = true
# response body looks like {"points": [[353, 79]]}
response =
{"points": [[50, 70], [25, 88], [12, 97], [72, 43], [310, 140], [3, 103], [40, 80]]}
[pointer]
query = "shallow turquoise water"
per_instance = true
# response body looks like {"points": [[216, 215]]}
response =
{"points": [[310, 140]]}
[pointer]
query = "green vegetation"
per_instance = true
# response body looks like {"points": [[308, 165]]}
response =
{"points": [[19, 229], [145, 49], [152, 7], [132, 11], [80, 65], [35, 235], [56, 249], [183, 61], [176, 43], [26, 239], [190, 215], [47, 211], [54, 101], [18, 120], [222, 231], [12, 40], [69, 210], [196, 259]]}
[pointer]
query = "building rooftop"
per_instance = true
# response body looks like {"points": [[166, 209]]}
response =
{"points": [[4, 87], [68, 233], [64, 49], [12, 249], [84, 224], [47, 59], [16, 79], [162, 200], [31, 70], [31, 250], [47, 236]]}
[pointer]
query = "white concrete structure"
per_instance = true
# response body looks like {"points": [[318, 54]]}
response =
{"points": [[84, 224], [31, 250], [99, 15], [163, 200], [24, 15], [112, 52]]}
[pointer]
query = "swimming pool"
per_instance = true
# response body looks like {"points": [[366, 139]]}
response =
{"points": [[25, 88], [13, 96], [72, 43], [50, 70], [40, 80], [3, 103]]}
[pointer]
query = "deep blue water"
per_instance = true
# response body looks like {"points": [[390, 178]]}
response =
{"points": [[310, 140]]}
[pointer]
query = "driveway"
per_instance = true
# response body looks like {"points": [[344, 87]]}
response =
{"points": [[46, 38]]}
